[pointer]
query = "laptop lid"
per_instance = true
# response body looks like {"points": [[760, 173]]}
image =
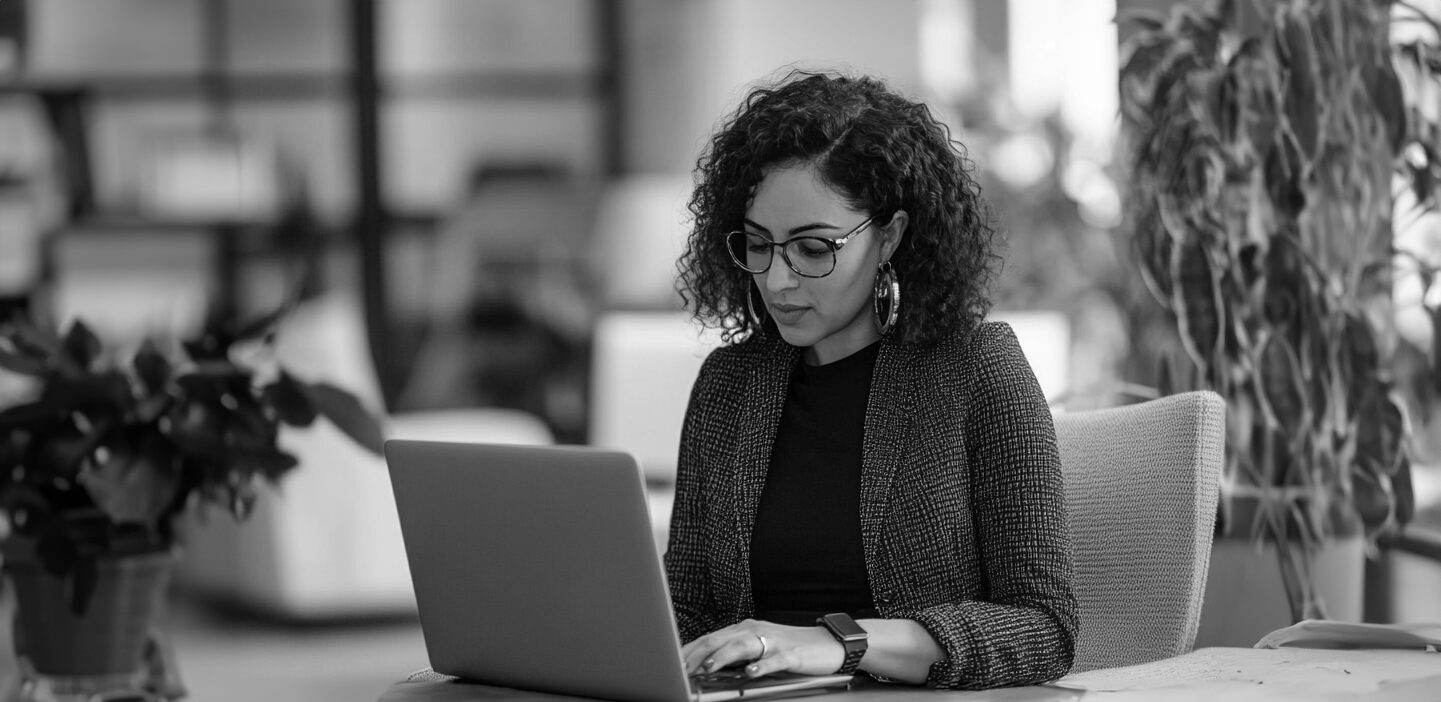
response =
{"points": [[535, 567]]}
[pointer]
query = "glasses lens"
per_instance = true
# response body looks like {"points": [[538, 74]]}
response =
{"points": [[752, 252], [811, 257]]}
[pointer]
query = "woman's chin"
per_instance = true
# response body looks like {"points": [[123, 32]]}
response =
{"points": [[796, 335]]}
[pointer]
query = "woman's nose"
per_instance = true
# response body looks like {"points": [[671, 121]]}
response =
{"points": [[780, 276]]}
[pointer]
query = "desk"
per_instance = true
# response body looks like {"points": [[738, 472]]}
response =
{"points": [[1230, 674]]}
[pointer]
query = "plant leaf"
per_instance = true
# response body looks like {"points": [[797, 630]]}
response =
{"points": [[209, 347], [1384, 87], [151, 408], [60, 451], [1436, 346], [1145, 18], [1196, 300], [249, 425], [1380, 429], [1301, 105], [30, 415], [1371, 494], [1165, 382], [32, 340], [1361, 359], [347, 413], [151, 367], [1283, 389], [1404, 492], [23, 364], [273, 463], [290, 400], [137, 480], [263, 324], [105, 391], [81, 345]]}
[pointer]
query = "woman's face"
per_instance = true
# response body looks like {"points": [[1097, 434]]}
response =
{"points": [[829, 317]]}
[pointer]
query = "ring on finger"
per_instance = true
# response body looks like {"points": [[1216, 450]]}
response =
{"points": [[764, 646]]}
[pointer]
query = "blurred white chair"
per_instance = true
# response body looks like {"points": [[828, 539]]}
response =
{"points": [[1045, 338], [643, 365], [326, 542], [642, 369], [640, 232]]}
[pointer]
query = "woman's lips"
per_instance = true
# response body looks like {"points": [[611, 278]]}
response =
{"points": [[788, 314]]}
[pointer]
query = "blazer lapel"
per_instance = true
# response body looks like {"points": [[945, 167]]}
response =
{"points": [[759, 420], [888, 420]]}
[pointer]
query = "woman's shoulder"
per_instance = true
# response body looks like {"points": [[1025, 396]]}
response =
{"points": [[742, 354], [986, 342]]}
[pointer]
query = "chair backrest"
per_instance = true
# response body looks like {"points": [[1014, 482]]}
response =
{"points": [[1141, 487]]}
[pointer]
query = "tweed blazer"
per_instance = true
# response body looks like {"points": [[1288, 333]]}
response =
{"points": [[963, 518]]}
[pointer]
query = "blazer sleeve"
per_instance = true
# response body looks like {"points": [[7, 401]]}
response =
{"points": [[1024, 631], [685, 556]]}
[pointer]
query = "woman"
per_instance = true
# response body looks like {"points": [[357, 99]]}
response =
{"points": [[868, 474]]}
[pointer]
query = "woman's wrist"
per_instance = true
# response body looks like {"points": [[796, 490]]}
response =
{"points": [[900, 649], [852, 638]]}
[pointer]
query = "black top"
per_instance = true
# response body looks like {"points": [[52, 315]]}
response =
{"points": [[806, 553]]}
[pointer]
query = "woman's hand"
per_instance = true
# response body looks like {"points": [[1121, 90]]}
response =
{"points": [[766, 648]]}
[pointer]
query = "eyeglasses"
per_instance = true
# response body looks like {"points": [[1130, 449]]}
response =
{"points": [[808, 256]]}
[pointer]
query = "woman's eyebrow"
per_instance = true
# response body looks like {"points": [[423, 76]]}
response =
{"points": [[796, 230]]}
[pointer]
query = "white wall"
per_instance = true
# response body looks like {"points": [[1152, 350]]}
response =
{"points": [[690, 62]]}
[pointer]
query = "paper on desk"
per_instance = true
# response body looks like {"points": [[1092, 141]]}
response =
{"points": [[1325, 633], [1239, 674]]}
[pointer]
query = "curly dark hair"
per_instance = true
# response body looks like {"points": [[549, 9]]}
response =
{"points": [[882, 152]]}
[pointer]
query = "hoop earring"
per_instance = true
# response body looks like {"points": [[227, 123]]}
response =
{"points": [[756, 319], [887, 301]]}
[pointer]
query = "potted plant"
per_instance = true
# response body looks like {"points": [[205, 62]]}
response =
{"points": [[103, 454], [1265, 139]]}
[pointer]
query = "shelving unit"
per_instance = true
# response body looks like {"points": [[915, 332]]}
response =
{"points": [[355, 87]]}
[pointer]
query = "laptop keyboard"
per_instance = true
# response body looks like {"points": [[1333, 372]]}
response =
{"points": [[724, 676]]}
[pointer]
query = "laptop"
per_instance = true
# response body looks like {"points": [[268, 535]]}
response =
{"points": [[535, 568]]}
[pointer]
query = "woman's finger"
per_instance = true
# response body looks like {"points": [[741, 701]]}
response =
{"points": [[739, 647], [773, 662], [696, 652]]}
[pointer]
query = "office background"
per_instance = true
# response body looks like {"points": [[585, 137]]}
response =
{"points": [[468, 192]]}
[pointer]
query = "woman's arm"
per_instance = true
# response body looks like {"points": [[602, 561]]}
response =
{"points": [[685, 552], [898, 649], [1024, 631]]}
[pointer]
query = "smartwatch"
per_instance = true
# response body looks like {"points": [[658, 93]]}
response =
{"points": [[852, 637]]}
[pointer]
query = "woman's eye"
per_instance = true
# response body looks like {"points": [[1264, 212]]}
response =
{"points": [[757, 246], [813, 248]]}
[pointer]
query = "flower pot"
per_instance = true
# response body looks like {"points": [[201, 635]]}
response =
{"points": [[105, 648], [1245, 595], [1245, 599]]}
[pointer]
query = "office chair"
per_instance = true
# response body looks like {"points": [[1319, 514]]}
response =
{"points": [[1142, 483]]}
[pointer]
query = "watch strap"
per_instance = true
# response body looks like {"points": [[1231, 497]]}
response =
{"points": [[855, 648]]}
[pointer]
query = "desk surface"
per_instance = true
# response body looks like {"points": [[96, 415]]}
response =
{"points": [[1232, 674]]}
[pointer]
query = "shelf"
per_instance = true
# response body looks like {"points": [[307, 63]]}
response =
{"points": [[140, 223], [505, 85]]}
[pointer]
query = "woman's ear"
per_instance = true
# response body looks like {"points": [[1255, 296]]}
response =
{"points": [[892, 233]]}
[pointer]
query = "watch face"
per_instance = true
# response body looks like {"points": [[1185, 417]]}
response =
{"points": [[844, 626]]}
